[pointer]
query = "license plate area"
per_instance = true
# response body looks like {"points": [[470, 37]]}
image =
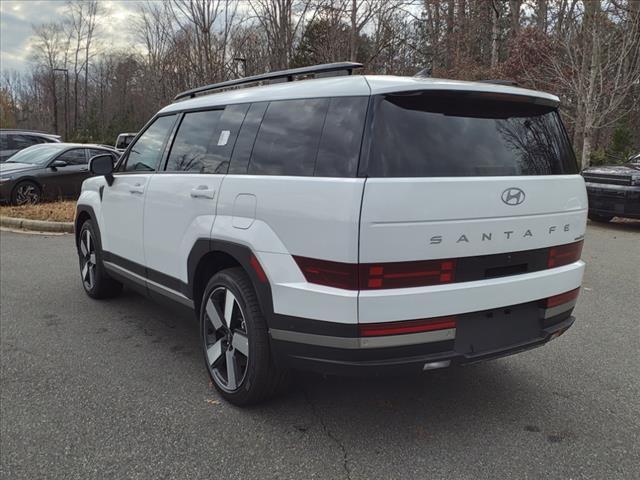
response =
{"points": [[490, 330]]}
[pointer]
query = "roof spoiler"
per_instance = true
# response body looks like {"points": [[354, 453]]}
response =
{"points": [[324, 70]]}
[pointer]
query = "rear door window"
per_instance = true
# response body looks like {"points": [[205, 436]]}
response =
{"points": [[288, 138], [77, 156], [246, 138], [205, 140], [20, 141], [446, 134]]}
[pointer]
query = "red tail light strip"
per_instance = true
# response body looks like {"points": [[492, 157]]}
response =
{"points": [[409, 326], [422, 273]]}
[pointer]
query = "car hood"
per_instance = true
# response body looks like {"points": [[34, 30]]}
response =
{"points": [[624, 170], [8, 168]]}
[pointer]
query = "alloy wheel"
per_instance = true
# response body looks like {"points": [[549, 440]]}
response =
{"points": [[87, 260], [226, 340], [27, 194]]}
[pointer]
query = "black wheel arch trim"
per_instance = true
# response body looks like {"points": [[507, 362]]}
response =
{"points": [[239, 252], [77, 226]]}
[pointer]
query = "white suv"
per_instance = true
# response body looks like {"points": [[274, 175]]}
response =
{"points": [[347, 225]]}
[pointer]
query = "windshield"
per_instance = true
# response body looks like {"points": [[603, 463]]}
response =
{"points": [[459, 134], [37, 155]]}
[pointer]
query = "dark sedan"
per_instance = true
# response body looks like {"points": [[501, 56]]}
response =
{"points": [[614, 190], [47, 172]]}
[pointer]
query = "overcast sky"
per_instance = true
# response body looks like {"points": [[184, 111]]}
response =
{"points": [[17, 18]]}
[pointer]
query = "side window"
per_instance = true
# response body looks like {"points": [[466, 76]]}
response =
{"points": [[77, 156], [339, 149], [205, 140], [4, 142], [246, 138], [145, 154], [22, 141], [288, 138]]}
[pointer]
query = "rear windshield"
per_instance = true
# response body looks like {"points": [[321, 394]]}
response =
{"points": [[442, 134]]}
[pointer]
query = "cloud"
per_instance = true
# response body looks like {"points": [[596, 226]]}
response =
{"points": [[18, 17]]}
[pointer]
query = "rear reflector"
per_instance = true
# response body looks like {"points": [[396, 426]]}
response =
{"points": [[562, 298], [409, 326], [564, 254]]}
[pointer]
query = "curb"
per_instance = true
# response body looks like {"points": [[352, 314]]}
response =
{"points": [[36, 225]]}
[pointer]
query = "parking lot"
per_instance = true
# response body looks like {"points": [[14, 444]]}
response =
{"points": [[117, 389]]}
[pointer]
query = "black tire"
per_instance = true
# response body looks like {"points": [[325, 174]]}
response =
{"points": [[95, 280], [255, 377], [26, 193], [597, 217]]}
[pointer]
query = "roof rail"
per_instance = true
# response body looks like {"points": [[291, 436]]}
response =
{"points": [[509, 83], [288, 75]]}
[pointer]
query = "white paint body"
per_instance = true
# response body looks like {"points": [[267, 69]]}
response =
{"points": [[154, 220]]}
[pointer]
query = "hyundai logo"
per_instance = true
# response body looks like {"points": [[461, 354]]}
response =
{"points": [[513, 196]]}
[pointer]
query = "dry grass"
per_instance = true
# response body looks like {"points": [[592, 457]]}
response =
{"points": [[54, 211]]}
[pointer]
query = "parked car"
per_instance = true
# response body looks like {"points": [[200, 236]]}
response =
{"points": [[123, 141], [47, 172], [614, 190], [12, 141], [356, 225]]}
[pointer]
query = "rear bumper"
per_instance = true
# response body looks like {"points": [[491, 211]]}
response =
{"points": [[616, 200], [523, 328]]}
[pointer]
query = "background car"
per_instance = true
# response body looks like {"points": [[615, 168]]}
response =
{"points": [[614, 190], [123, 141], [12, 141], [47, 172]]}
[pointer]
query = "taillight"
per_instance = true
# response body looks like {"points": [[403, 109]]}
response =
{"points": [[331, 274], [564, 254], [406, 274], [409, 326], [370, 276], [563, 298]]}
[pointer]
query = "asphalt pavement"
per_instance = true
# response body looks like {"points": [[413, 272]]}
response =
{"points": [[118, 389]]}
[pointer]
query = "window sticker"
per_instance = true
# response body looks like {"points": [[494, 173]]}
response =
{"points": [[224, 138]]}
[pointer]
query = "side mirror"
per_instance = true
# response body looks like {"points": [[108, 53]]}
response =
{"points": [[102, 165], [58, 164]]}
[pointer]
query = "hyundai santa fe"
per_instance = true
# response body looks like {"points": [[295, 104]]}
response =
{"points": [[348, 224]]}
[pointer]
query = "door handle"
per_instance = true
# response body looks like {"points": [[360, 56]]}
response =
{"points": [[137, 189], [202, 191]]}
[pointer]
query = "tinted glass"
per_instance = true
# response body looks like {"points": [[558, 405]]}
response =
{"points": [[246, 138], [23, 141], [146, 153], [287, 142], [77, 156], [4, 142], [205, 140], [440, 134], [341, 137]]}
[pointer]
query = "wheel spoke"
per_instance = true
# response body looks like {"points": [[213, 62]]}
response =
{"points": [[241, 343], [214, 353], [85, 271], [83, 248], [92, 259], [229, 302], [214, 316], [88, 237], [91, 276], [232, 370]]}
